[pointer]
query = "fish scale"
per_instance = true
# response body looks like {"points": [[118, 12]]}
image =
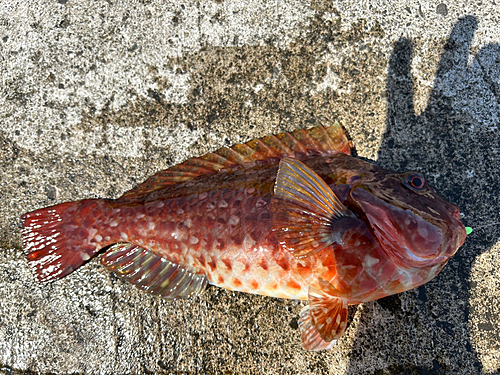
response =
{"points": [[289, 216], [224, 234]]}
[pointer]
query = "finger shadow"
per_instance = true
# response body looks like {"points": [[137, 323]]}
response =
{"points": [[455, 142]]}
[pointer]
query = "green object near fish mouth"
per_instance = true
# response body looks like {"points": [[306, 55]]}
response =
{"points": [[468, 230]]}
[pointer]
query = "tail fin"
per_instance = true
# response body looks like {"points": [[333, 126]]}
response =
{"points": [[59, 239]]}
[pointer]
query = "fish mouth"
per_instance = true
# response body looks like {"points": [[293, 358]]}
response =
{"points": [[455, 212], [407, 238]]}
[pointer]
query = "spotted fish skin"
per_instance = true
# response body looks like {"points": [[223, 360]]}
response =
{"points": [[221, 228], [288, 216]]}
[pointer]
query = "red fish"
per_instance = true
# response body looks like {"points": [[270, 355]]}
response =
{"points": [[288, 216]]}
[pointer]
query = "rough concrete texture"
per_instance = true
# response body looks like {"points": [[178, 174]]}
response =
{"points": [[98, 95]]}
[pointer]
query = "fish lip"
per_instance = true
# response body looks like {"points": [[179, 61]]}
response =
{"points": [[455, 211], [459, 237], [397, 239]]}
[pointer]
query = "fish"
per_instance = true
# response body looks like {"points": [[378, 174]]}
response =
{"points": [[293, 215]]}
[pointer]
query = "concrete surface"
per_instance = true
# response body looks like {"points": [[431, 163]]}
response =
{"points": [[98, 95]]}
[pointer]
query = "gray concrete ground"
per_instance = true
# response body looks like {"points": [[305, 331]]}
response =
{"points": [[95, 96]]}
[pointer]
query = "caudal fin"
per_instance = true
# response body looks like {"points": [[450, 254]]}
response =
{"points": [[59, 239]]}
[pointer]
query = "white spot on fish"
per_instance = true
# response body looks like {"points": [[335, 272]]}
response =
{"points": [[203, 195], [139, 215], [180, 211], [160, 204], [370, 261], [417, 279], [85, 256], [114, 223], [233, 220], [338, 319], [92, 232], [98, 238], [193, 240], [151, 225], [423, 231], [223, 204], [123, 236], [188, 223], [329, 320], [404, 278]]}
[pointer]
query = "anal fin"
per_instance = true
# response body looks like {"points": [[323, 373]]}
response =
{"points": [[152, 273], [324, 321]]}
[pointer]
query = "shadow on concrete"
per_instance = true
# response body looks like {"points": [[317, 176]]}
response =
{"points": [[455, 142]]}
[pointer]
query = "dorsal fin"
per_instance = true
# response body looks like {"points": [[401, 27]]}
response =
{"points": [[323, 141]]}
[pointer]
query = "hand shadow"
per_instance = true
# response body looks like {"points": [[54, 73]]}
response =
{"points": [[455, 142]]}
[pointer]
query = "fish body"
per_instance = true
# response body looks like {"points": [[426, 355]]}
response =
{"points": [[288, 216]]}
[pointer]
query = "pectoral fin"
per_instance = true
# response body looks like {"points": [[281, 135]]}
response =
{"points": [[324, 321], [306, 215]]}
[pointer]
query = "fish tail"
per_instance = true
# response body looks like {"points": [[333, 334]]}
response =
{"points": [[59, 239]]}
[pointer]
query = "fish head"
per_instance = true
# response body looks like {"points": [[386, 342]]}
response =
{"points": [[413, 224]]}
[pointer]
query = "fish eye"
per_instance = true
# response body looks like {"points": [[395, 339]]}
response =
{"points": [[415, 180]]}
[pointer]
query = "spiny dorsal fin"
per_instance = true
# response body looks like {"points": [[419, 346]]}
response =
{"points": [[307, 216], [152, 273], [324, 321], [297, 144]]}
